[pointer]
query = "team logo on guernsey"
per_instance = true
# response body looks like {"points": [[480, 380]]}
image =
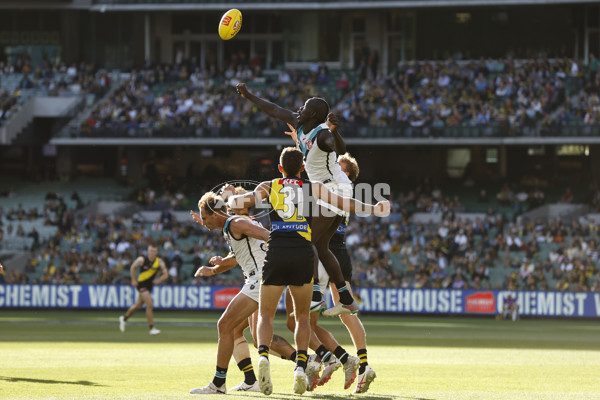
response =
{"points": [[308, 144]]}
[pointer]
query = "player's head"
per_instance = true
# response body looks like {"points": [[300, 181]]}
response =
{"points": [[152, 251], [291, 162], [212, 210], [349, 166], [314, 110]]}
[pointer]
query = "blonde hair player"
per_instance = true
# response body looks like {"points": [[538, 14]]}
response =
{"points": [[246, 239], [337, 245]]}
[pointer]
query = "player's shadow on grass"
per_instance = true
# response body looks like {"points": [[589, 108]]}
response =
{"points": [[338, 396], [48, 381], [366, 396]]}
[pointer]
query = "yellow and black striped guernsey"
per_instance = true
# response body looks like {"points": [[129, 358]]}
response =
{"points": [[148, 270], [289, 227]]}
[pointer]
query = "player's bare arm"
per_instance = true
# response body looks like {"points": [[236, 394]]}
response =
{"points": [[381, 209], [283, 114], [136, 264], [243, 226], [339, 145], [164, 274], [331, 140], [219, 264], [249, 199]]}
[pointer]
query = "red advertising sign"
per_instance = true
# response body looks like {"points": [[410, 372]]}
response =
{"points": [[481, 302], [223, 297]]}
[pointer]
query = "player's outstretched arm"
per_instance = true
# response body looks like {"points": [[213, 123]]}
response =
{"points": [[283, 114], [320, 191], [243, 226], [241, 201], [220, 264]]}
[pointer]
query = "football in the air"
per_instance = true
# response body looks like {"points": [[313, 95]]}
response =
{"points": [[231, 23]]}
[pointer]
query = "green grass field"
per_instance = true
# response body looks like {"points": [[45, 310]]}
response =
{"points": [[82, 355]]}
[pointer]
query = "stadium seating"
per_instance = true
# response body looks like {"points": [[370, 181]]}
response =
{"points": [[395, 252], [412, 101]]}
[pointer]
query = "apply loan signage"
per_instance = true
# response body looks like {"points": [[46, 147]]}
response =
{"points": [[381, 300]]}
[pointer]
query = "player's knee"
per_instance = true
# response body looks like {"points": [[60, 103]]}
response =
{"points": [[304, 324], [224, 325], [313, 322]]}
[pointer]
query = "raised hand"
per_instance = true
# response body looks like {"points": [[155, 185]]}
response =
{"points": [[332, 122], [196, 217], [293, 134], [242, 89]]}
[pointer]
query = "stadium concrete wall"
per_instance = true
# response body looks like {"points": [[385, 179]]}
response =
{"points": [[380, 300]]}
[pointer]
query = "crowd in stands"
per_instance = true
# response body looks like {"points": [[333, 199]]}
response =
{"points": [[52, 78], [512, 93], [485, 252], [185, 100], [514, 97], [54, 213]]}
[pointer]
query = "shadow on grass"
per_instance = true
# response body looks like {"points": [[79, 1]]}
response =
{"points": [[336, 396], [48, 381], [367, 396]]}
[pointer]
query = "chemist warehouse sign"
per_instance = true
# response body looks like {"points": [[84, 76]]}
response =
{"points": [[419, 301]]}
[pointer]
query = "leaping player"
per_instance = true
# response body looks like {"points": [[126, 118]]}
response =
{"points": [[319, 140]]}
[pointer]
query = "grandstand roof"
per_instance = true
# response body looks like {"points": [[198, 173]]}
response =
{"points": [[174, 5], [122, 5], [125, 5]]}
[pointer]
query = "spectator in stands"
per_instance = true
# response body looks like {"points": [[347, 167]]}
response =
{"points": [[75, 197], [567, 196]]}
